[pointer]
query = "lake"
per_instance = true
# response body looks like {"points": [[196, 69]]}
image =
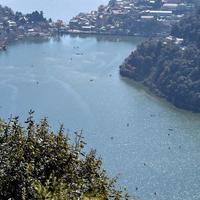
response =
{"points": [[75, 80]]}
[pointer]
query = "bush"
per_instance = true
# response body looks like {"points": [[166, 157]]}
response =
{"points": [[39, 164]]}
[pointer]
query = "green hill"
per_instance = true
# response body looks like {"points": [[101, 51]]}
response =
{"points": [[168, 68]]}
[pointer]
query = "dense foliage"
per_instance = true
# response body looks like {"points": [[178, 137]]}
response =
{"points": [[39, 164], [36, 17], [170, 69], [189, 28]]}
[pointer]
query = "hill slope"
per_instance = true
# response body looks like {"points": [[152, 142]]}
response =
{"points": [[169, 69]]}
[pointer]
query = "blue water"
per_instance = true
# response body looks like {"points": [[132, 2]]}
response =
{"points": [[52, 79]]}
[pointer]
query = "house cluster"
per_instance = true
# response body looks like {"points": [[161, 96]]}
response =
{"points": [[132, 17], [14, 26]]}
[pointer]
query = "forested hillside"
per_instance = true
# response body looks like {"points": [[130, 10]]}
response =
{"points": [[168, 68], [188, 28]]}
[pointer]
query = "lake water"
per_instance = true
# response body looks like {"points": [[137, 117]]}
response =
{"points": [[76, 81]]}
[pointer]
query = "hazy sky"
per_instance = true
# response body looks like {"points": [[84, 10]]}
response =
{"points": [[56, 9]]}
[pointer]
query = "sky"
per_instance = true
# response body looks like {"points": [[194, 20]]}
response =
{"points": [[56, 9]]}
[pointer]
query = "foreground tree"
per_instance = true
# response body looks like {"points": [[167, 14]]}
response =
{"points": [[39, 164]]}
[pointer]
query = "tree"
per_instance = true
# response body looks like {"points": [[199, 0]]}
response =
{"points": [[158, 4], [36, 17], [169, 70], [37, 163], [112, 3], [189, 28]]}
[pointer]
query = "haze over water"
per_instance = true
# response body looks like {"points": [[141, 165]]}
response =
{"points": [[75, 80], [55, 9]]}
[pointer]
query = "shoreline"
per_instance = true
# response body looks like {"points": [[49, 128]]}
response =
{"points": [[74, 32], [6, 44], [158, 93]]}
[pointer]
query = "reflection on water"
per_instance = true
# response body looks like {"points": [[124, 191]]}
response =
{"points": [[111, 38], [154, 146]]}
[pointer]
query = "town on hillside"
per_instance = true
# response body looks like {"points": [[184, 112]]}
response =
{"points": [[119, 17], [14, 26], [132, 17]]}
